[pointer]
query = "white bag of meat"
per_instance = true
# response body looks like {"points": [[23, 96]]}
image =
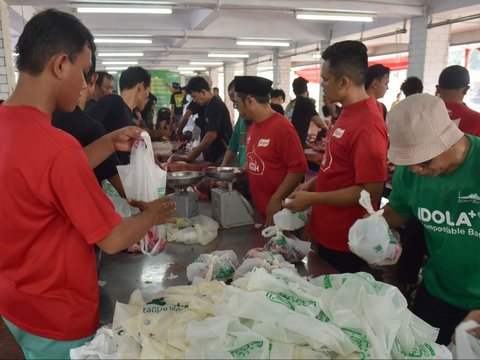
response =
{"points": [[218, 265], [371, 238], [286, 219], [261, 258], [291, 248], [143, 180]]}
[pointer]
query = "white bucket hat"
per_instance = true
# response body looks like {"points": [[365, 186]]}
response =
{"points": [[420, 129]]}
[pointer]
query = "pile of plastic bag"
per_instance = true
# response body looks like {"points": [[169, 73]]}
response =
{"points": [[277, 315], [219, 265]]}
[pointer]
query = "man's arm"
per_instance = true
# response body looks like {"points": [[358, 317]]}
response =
{"points": [[288, 184], [130, 230], [346, 197], [319, 122], [227, 159], [207, 140], [393, 218], [183, 121], [118, 140]]}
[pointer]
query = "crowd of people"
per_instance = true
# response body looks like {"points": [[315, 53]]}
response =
{"points": [[53, 210]]}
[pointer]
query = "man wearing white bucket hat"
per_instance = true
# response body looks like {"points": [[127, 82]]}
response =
{"points": [[437, 181]]}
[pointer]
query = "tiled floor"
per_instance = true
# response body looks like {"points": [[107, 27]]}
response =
{"points": [[8, 346]]}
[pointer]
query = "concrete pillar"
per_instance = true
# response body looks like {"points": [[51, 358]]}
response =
{"points": [[228, 75], [7, 77], [214, 76], [250, 70], [281, 74], [427, 52]]}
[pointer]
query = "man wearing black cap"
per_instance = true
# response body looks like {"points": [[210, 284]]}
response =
{"points": [[213, 121], [453, 85], [275, 160], [304, 110]]}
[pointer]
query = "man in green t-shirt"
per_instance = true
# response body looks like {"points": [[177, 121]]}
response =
{"points": [[238, 142], [437, 181]]}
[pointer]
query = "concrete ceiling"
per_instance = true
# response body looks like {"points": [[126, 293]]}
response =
{"points": [[201, 26]]}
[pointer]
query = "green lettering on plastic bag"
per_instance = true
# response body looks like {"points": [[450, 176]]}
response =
{"points": [[360, 339], [327, 282], [244, 350], [288, 300], [302, 217], [421, 351], [280, 240], [322, 317], [378, 248], [225, 273]]}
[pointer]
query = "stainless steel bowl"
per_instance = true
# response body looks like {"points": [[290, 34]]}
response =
{"points": [[184, 178], [224, 173]]}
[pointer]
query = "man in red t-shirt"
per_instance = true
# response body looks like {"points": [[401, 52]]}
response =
{"points": [[355, 158], [275, 160], [452, 87], [376, 84], [53, 210]]}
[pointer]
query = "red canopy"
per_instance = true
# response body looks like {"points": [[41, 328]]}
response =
{"points": [[312, 73]]}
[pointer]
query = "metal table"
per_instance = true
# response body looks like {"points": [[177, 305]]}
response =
{"points": [[122, 273]]}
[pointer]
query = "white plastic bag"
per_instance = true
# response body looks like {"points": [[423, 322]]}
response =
{"points": [[371, 238], [466, 345], [286, 219], [143, 180], [291, 248], [199, 229], [218, 265]]}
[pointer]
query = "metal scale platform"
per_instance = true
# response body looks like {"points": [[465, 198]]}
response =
{"points": [[229, 207], [186, 201]]}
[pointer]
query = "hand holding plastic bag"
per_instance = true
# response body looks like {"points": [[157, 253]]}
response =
{"points": [[371, 239], [467, 346], [286, 219], [143, 180]]}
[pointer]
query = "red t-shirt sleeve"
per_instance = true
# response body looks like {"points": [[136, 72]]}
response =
{"points": [[70, 186], [369, 156]]}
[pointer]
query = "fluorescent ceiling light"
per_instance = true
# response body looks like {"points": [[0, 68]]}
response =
{"points": [[229, 55], [132, 54], [112, 72], [125, 10], [123, 41], [119, 62], [335, 16], [116, 68], [187, 72], [262, 43], [192, 68], [122, 35], [207, 63], [316, 56]]}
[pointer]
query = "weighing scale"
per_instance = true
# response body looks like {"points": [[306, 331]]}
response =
{"points": [[186, 201], [229, 207]]}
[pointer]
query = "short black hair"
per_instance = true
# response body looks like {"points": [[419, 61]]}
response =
{"points": [[132, 76], [197, 84], [412, 85], [454, 77], [299, 85], [348, 58], [375, 72], [277, 92], [90, 72], [231, 85], [47, 34], [101, 76]]}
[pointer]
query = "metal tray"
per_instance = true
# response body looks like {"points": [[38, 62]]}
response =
{"points": [[184, 178], [224, 173]]}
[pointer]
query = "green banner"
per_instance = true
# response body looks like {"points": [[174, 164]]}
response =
{"points": [[160, 79]]}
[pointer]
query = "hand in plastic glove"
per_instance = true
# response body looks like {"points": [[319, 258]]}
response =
{"points": [[124, 138], [475, 316], [300, 200], [274, 206], [160, 209]]}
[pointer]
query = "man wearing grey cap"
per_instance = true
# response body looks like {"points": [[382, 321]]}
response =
{"points": [[275, 160], [437, 181], [452, 87]]}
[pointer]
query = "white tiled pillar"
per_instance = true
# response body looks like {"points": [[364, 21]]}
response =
{"points": [[7, 77], [228, 75], [250, 70], [214, 76], [427, 52], [281, 74]]}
